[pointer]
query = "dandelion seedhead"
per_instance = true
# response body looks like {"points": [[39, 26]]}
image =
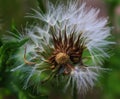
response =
{"points": [[69, 41]]}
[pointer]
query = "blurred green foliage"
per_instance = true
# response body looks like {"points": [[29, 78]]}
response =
{"points": [[111, 80], [12, 14]]}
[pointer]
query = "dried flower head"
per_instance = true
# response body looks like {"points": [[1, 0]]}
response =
{"points": [[68, 40]]}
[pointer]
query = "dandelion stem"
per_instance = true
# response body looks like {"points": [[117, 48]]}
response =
{"points": [[25, 60]]}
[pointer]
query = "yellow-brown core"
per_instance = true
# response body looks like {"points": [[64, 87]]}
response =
{"points": [[62, 58]]}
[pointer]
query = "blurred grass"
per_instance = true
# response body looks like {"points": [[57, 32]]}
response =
{"points": [[14, 12]]}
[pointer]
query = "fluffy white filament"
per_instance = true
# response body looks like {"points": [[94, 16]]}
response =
{"points": [[73, 18]]}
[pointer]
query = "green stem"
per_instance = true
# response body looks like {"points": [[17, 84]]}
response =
{"points": [[75, 93]]}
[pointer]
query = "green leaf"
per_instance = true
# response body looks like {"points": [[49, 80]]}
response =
{"points": [[0, 43], [6, 51]]}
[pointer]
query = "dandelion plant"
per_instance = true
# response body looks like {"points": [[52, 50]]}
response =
{"points": [[68, 43]]}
